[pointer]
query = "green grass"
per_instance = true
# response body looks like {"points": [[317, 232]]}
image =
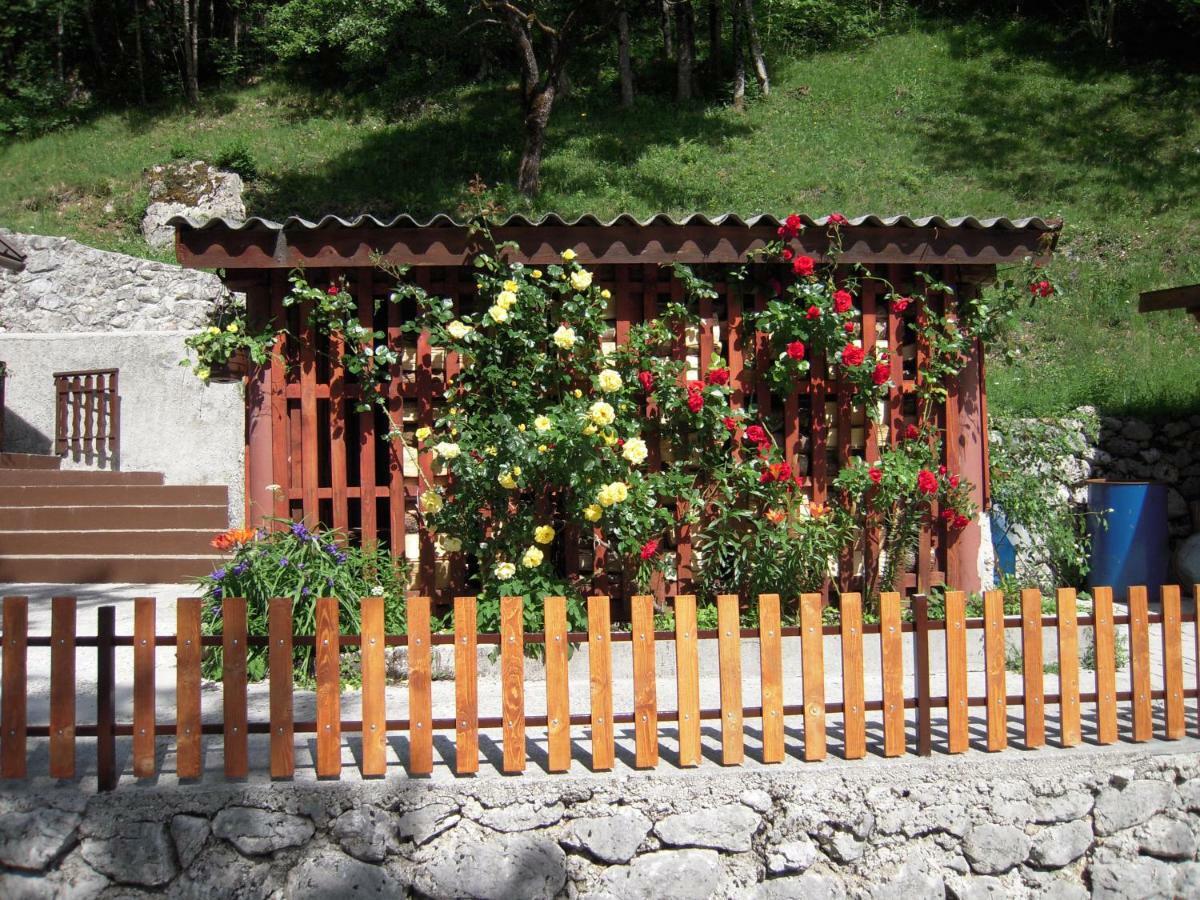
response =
{"points": [[942, 119]]}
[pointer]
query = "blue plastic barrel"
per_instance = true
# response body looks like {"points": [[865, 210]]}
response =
{"points": [[1128, 528], [1002, 545]]}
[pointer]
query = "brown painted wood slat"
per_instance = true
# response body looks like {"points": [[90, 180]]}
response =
{"points": [[891, 651], [645, 695], [854, 715], [280, 465], [770, 662], [920, 608], [1139, 664], [280, 668], [1033, 668], [600, 671], [818, 428], [13, 700], [233, 685], [729, 651], [738, 377], [367, 438], [1068, 667], [997, 691], [466, 688], [512, 680], [1172, 642], [812, 649], [329, 690], [558, 701], [106, 690], [958, 736], [374, 685], [62, 687], [338, 482], [687, 680], [143, 686], [188, 737], [1106, 671], [420, 686], [395, 447], [308, 416], [1196, 644]]}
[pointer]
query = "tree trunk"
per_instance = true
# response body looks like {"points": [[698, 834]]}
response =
{"points": [[191, 78], [664, 23], [94, 41], [756, 51], [624, 62], [739, 57], [714, 39], [58, 46], [685, 49], [537, 116], [138, 50]]}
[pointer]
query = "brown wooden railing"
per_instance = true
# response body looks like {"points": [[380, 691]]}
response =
{"points": [[87, 415], [3, 378], [646, 717]]}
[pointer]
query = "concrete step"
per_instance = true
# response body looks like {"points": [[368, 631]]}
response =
{"points": [[113, 517], [115, 569], [34, 477], [91, 495], [28, 461], [161, 541]]}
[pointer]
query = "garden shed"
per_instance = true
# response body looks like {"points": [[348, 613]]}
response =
{"points": [[310, 454]]}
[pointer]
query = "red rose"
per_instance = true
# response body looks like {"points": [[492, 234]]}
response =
{"points": [[953, 481], [875, 474], [756, 434], [1045, 289], [649, 548], [695, 402], [332, 290], [837, 219], [717, 376], [730, 424], [961, 522], [900, 304], [842, 301], [881, 373], [848, 328], [814, 312], [803, 265], [787, 254], [781, 231], [911, 433], [695, 386], [795, 350], [799, 480], [852, 355], [948, 515], [941, 470], [793, 222], [927, 482], [646, 379]]}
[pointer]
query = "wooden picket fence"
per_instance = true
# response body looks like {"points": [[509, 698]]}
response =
{"points": [[646, 717]]}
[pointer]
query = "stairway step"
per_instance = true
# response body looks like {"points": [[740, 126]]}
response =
{"points": [[159, 541], [113, 494], [29, 461], [106, 569], [113, 517], [35, 477]]}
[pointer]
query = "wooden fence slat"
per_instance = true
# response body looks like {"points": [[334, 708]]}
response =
{"points": [[308, 416], [280, 668], [997, 689], [770, 663], [1172, 638], [329, 696], [188, 737], [13, 701], [233, 685], [891, 651], [367, 437], [812, 649], [143, 686], [1068, 667], [338, 481], [854, 716], [1139, 664], [1196, 644], [600, 671], [729, 650], [920, 608], [1034, 671], [687, 680], [420, 686], [645, 695], [374, 683], [512, 680], [558, 700], [1104, 644], [466, 688], [62, 687], [106, 698], [958, 737]]}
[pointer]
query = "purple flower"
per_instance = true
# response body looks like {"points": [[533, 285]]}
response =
{"points": [[218, 574], [302, 532], [216, 595], [331, 548], [240, 568], [305, 592], [282, 561], [341, 558], [328, 581]]}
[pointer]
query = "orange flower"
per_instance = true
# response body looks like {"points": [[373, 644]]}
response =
{"points": [[816, 510], [775, 516], [234, 537]]}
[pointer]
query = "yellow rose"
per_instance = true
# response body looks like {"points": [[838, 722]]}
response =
{"points": [[202, 373], [213, 329], [542, 448], [517, 470], [498, 313], [601, 413], [521, 427], [635, 451], [581, 279], [593, 513], [564, 337], [423, 432], [431, 502], [458, 330], [536, 273], [541, 423], [577, 393], [620, 491], [232, 327], [589, 430], [568, 255], [610, 438], [507, 299], [609, 381], [510, 285], [544, 534], [606, 294], [446, 450], [506, 480], [504, 571], [451, 544], [533, 558], [605, 497], [490, 451]]}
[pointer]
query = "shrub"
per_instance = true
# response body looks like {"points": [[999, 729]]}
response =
{"points": [[236, 157]]}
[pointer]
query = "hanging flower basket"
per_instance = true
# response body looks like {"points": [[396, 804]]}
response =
{"points": [[232, 370]]}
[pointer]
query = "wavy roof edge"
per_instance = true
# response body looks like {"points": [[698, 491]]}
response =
{"points": [[443, 220]]}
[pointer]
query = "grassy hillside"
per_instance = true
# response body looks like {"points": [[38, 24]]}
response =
{"points": [[943, 119]]}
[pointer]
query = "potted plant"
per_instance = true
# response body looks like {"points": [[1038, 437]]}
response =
{"points": [[227, 347]]}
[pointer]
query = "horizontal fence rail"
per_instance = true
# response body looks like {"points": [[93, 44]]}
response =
{"points": [[88, 414], [894, 701]]}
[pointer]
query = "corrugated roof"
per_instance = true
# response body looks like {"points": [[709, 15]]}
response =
{"points": [[10, 257], [443, 220]]}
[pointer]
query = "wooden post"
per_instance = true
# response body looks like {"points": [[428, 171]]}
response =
{"points": [[188, 651], [279, 661], [920, 606], [14, 698], [729, 650], [106, 689], [812, 650], [143, 686], [1139, 663], [891, 650], [997, 688], [420, 698], [466, 710], [233, 686], [645, 695], [854, 717], [512, 680], [558, 703], [1068, 667], [956, 672], [1104, 644], [329, 691], [687, 680], [374, 684], [62, 688], [770, 651], [600, 665], [1172, 644]]}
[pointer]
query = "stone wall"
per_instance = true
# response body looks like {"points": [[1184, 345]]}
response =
{"points": [[1115, 823]]}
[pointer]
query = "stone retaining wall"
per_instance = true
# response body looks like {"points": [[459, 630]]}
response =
{"points": [[1115, 823]]}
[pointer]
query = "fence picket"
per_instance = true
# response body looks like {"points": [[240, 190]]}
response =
{"points": [[1139, 664], [1196, 644], [958, 735], [188, 736], [1172, 639], [280, 669], [997, 688], [891, 651], [770, 663], [143, 686], [729, 652], [558, 699], [600, 666], [1034, 671], [1068, 668], [374, 682], [233, 685], [687, 680], [14, 700], [329, 697], [920, 608], [466, 688], [854, 717], [420, 686], [512, 681], [812, 650], [645, 694], [1104, 643], [106, 711], [62, 687]]}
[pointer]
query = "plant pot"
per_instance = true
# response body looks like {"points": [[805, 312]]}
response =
{"points": [[232, 370]]}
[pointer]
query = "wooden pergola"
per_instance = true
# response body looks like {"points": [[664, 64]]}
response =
{"points": [[310, 455]]}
